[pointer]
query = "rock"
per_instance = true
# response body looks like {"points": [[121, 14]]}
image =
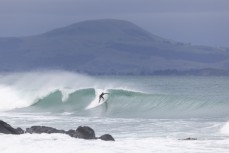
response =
{"points": [[43, 129], [85, 132], [189, 139], [73, 133], [82, 132], [107, 137], [20, 130], [7, 129]]}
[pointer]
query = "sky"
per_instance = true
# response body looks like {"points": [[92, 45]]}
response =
{"points": [[199, 22]]}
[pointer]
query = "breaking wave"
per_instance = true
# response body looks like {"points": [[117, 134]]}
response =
{"points": [[125, 103], [225, 128], [70, 93]]}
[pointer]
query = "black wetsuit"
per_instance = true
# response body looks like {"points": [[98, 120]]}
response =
{"points": [[101, 96]]}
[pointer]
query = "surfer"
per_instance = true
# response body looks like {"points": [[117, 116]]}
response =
{"points": [[101, 96]]}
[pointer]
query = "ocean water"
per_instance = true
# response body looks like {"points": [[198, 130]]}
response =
{"points": [[144, 114]]}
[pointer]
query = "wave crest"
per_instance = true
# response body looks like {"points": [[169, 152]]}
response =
{"points": [[66, 92], [126, 103]]}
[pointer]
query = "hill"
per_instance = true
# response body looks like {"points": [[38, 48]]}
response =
{"points": [[109, 46]]}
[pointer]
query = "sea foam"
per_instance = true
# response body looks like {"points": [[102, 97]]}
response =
{"points": [[23, 89], [18, 90], [225, 128]]}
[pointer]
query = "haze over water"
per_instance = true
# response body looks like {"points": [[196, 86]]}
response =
{"points": [[165, 65]]}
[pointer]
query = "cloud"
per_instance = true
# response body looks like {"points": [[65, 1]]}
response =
{"points": [[175, 19], [112, 6]]}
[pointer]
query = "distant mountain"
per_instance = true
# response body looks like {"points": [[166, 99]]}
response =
{"points": [[109, 46]]}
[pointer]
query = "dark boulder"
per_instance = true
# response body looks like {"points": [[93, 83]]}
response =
{"points": [[73, 133], [107, 137], [85, 132], [189, 139], [20, 130], [7, 129], [43, 129], [82, 132]]}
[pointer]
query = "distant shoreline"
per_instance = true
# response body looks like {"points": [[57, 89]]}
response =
{"points": [[170, 72], [167, 72]]}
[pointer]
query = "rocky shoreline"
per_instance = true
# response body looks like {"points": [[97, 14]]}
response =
{"points": [[82, 132]]}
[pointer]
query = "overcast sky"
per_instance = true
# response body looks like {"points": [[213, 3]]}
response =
{"points": [[200, 22]]}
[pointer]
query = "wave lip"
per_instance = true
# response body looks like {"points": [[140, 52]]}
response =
{"points": [[70, 93], [225, 128], [127, 103], [23, 89]]}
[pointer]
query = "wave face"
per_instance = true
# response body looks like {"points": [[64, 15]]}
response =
{"points": [[124, 103], [70, 93]]}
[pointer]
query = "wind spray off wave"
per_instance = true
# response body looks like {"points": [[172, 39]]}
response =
{"points": [[71, 93], [19, 90], [138, 110]]}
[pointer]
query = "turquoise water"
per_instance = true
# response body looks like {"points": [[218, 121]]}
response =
{"points": [[144, 114]]}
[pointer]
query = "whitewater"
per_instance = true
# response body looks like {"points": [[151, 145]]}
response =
{"points": [[143, 113]]}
